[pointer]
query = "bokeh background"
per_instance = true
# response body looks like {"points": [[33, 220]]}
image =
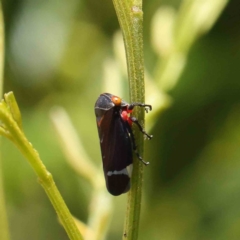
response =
{"points": [[65, 53]]}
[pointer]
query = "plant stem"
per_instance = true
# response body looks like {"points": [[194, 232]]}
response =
{"points": [[45, 178], [130, 17], [4, 232]]}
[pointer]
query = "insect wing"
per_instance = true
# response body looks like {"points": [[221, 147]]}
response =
{"points": [[116, 148]]}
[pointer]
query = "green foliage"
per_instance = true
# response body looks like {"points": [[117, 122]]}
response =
{"points": [[11, 127], [67, 58]]}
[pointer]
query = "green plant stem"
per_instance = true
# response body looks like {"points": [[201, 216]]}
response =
{"points": [[45, 178], [4, 232], [130, 17]]}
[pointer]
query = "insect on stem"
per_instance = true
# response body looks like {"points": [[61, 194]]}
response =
{"points": [[117, 140]]}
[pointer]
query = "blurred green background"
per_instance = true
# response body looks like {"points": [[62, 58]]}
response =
{"points": [[58, 53]]}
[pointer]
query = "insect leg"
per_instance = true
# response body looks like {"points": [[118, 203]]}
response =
{"points": [[134, 145], [146, 106], [133, 119]]}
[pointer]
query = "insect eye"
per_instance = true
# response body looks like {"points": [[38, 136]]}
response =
{"points": [[116, 100]]}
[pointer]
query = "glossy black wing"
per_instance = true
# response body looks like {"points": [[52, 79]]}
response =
{"points": [[116, 148]]}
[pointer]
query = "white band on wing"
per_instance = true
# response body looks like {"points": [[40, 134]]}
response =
{"points": [[126, 171]]}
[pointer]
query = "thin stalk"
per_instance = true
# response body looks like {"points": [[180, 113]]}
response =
{"points": [[4, 232], [130, 17], [10, 125]]}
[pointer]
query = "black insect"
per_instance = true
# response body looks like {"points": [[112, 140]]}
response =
{"points": [[117, 140]]}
